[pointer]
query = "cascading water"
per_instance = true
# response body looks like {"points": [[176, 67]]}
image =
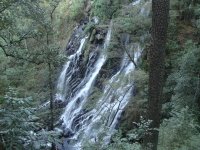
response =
{"points": [[67, 72], [108, 110], [74, 107], [70, 68], [79, 123]]}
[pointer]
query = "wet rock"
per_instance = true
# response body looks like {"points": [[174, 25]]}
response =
{"points": [[134, 91], [78, 34], [78, 101], [84, 21], [67, 133], [99, 37], [60, 103], [95, 20], [77, 120]]}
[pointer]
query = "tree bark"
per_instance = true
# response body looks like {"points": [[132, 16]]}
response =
{"points": [[51, 97], [160, 15]]}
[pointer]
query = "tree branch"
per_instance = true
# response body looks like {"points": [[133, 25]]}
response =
{"points": [[17, 56], [131, 59], [7, 6], [7, 54]]}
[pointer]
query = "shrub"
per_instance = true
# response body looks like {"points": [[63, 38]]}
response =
{"points": [[180, 132], [77, 9], [105, 9]]}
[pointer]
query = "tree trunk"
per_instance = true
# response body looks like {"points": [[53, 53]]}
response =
{"points": [[160, 10], [51, 97]]}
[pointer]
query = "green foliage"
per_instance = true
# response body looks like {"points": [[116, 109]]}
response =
{"points": [[105, 9], [30, 32], [17, 120], [18, 123], [89, 28], [180, 132], [131, 20], [87, 51], [123, 143], [141, 81], [142, 128], [43, 140], [28, 44], [185, 81], [31, 41], [120, 141], [3, 78], [77, 9], [186, 10], [137, 104], [134, 25]]}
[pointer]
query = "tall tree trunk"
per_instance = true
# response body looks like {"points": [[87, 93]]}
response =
{"points": [[51, 97], [156, 68]]}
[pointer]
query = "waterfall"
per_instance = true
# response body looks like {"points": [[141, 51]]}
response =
{"points": [[78, 123], [74, 107], [108, 110], [67, 73]]}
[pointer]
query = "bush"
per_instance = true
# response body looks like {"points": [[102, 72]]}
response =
{"points": [[77, 9], [185, 79], [105, 9], [180, 132]]}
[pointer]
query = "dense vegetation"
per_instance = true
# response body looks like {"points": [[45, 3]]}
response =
{"points": [[33, 35]]}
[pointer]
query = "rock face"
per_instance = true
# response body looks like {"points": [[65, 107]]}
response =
{"points": [[97, 36], [60, 104], [77, 35]]}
